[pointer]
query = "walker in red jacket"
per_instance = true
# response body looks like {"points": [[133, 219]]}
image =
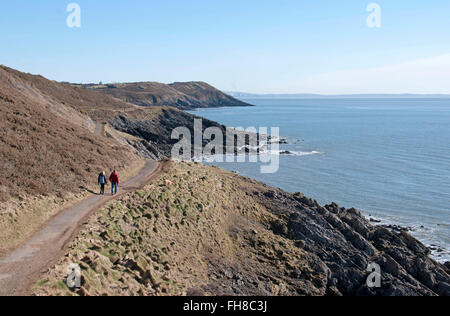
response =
{"points": [[114, 179]]}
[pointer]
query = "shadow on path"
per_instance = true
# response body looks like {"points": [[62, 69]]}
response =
{"points": [[89, 191]]}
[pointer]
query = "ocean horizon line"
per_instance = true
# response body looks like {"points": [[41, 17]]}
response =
{"points": [[337, 96]]}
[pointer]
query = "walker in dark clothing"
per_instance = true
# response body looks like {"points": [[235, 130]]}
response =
{"points": [[102, 183], [114, 179]]}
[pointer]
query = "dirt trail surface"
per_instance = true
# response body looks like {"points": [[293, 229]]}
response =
{"points": [[21, 268], [99, 129]]}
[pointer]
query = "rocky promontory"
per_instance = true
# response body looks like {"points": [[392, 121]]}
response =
{"points": [[182, 95]]}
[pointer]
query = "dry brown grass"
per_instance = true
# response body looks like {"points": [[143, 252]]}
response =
{"points": [[196, 236], [100, 107], [48, 153], [42, 153], [182, 95], [21, 218]]}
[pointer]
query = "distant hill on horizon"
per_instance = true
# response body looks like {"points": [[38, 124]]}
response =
{"points": [[337, 96], [182, 95]]}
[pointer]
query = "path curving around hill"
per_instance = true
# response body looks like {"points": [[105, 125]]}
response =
{"points": [[23, 266]]}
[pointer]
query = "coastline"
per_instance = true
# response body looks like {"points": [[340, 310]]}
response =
{"points": [[236, 236], [424, 231], [439, 253], [172, 236]]}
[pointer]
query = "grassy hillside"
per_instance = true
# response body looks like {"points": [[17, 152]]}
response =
{"points": [[46, 153], [100, 107], [146, 128], [189, 238], [50, 154], [48, 150], [203, 231]]}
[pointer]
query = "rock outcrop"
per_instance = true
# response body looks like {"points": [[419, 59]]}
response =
{"points": [[347, 243], [154, 134]]}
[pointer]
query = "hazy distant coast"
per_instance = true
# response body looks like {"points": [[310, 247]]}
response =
{"points": [[337, 96]]}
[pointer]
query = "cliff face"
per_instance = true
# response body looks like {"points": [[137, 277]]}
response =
{"points": [[187, 95], [203, 231], [154, 133]]}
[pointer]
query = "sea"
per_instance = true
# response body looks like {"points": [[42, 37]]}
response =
{"points": [[389, 158]]}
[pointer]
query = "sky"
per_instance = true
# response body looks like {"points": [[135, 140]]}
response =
{"points": [[254, 46]]}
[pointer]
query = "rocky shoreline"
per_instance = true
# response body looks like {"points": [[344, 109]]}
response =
{"points": [[436, 251]]}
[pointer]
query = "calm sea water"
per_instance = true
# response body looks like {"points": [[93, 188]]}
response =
{"points": [[388, 158]]}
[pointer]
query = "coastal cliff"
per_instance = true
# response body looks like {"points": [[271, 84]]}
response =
{"points": [[203, 231], [181, 95], [197, 230]]}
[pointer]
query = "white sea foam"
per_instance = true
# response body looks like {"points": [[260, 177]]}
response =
{"points": [[263, 151], [293, 153]]}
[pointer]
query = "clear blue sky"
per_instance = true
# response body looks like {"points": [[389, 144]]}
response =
{"points": [[322, 46]]}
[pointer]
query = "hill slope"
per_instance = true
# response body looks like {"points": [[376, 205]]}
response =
{"points": [[216, 233], [48, 153], [98, 106], [187, 95], [145, 128], [48, 146]]}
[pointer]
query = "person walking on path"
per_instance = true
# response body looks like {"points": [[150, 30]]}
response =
{"points": [[114, 179], [102, 182]]}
